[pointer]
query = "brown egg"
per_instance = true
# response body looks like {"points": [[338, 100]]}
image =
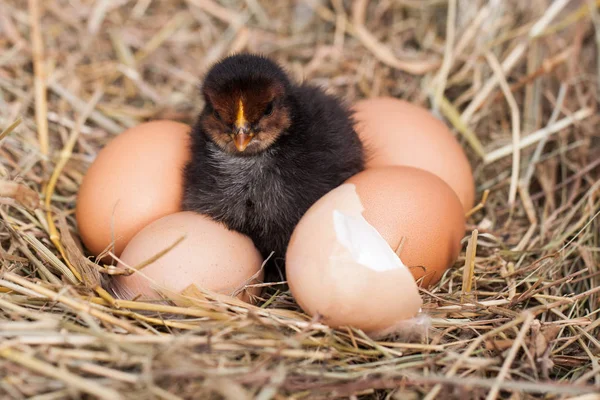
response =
{"points": [[134, 180], [340, 268], [210, 256], [410, 203], [396, 132]]}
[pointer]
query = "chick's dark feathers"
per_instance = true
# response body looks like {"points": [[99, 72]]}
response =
{"points": [[263, 195], [243, 71]]}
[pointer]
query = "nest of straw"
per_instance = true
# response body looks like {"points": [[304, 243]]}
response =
{"points": [[516, 317]]}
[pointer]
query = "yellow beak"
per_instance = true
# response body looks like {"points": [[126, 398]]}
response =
{"points": [[241, 139]]}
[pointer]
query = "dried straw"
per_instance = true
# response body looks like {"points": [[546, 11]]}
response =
{"points": [[516, 317]]}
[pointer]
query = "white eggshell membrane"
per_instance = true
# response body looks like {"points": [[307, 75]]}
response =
{"points": [[363, 243], [341, 269]]}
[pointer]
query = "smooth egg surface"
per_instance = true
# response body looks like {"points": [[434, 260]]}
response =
{"points": [[396, 132], [417, 209], [209, 256], [134, 180]]}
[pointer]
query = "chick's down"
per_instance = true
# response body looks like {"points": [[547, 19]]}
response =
{"points": [[265, 149]]}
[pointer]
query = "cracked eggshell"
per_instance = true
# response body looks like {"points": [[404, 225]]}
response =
{"points": [[210, 256], [135, 179], [396, 132], [340, 268], [410, 203]]}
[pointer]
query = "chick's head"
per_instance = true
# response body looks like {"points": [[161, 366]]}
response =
{"points": [[247, 104]]}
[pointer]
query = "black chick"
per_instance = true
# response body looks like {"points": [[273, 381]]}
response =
{"points": [[265, 149]]}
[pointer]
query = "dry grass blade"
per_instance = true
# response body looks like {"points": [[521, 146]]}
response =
{"points": [[582, 12], [451, 113], [64, 157], [158, 255], [469, 270], [515, 124], [71, 302], [49, 257], [216, 10], [442, 76], [23, 195], [538, 135], [493, 394], [41, 102], [383, 53], [75, 381], [514, 56], [9, 129], [516, 315], [90, 276], [79, 105]]}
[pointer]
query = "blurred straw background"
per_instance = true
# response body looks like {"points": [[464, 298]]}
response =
{"points": [[517, 317]]}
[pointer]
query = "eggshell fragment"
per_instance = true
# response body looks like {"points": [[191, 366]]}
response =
{"points": [[134, 180], [210, 256], [410, 203], [340, 268], [396, 132]]}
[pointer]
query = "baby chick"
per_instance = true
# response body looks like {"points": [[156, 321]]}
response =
{"points": [[264, 149]]}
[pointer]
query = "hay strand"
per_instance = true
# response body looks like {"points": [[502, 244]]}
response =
{"points": [[516, 316]]}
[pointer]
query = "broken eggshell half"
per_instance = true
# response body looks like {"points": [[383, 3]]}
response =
{"points": [[340, 268]]}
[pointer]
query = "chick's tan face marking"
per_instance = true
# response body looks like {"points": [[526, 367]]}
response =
{"points": [[240, 119], [271, 128], [242, 136], [240, 123]]}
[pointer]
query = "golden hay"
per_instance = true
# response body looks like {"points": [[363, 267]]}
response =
{"points": [[521, 321]]}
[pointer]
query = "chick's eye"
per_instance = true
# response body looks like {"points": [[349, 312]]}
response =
{"points": [[210, 109], [268, 109]]}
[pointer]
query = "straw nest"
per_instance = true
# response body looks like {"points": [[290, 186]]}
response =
{"points": [[516, 317]]}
